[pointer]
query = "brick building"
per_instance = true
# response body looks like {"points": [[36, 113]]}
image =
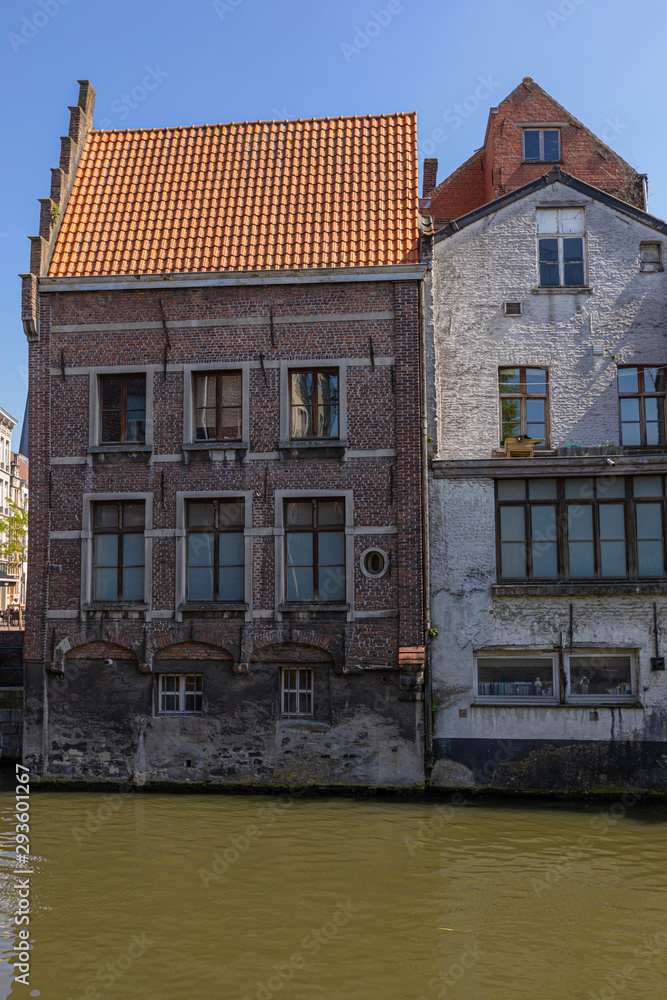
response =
{"points": [[548, 517], [226, 544], [7, 425]]}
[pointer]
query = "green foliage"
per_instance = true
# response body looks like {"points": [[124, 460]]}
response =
{"points": [[14, 543]]}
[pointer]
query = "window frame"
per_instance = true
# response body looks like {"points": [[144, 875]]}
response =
{"points": [[642, 395], [630, 502], [600, 699], [514, 699], [123, 378], [523, 396], [314, 529], [216, 531], [119, 531], [309, 691], [648, 266], [314, 371], [541, 130], [218, 374], [559, 237], [182, 694]]}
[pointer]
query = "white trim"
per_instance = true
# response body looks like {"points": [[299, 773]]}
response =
{"points": [[514, 699]]}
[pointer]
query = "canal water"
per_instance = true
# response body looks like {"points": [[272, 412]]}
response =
{"points": [[154, 896]]}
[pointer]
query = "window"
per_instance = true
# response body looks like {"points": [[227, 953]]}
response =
{"points": [[122, 409], [650, 257], [315, 550], [180, 694], [512, 308], [505, 677], [216, 550], [561, 252], [607, 528], [541, 144], [218, 406], [641, 391], [313, 404], [296, 692], [523, 402], [599, 677], [374, 563], [118, 551]]}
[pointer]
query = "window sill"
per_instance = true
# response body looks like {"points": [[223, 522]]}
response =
{"points": [[213, 609], [106, 454], [544, 703], [651, 269], [327, 606], [209, 451], [119, 607], [564, 290], [598, 588]]}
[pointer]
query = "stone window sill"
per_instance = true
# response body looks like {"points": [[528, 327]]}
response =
{"points": [[239, 606], [116, 606], [544, 703], [110, 453], [598, 589], [569, 290]]}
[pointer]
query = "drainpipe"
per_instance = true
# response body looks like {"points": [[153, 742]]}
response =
{"points": [[426, 576]]}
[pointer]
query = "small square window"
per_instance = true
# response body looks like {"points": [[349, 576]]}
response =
{"points": [[180, 694], [650, 257], [512, 308], [541, 145]]}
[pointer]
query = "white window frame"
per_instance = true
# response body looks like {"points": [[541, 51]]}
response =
{"points": [[181, 710], [541, 130], [560, 237], [309, 689], [513, 699], [602, 699]]}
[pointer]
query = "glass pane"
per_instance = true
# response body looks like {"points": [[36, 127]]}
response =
{"points": [[612, 559], [200, 512], [545, 553], [651, 408], [112, 393], [299, 548], [579, 489], [231, 512], [106, 515], [299, 513], [302, 388], [327, 388], [230, 389], [542, 489], [549, 276], [547, 220], [515, 676], [111, 426], [513, 560], [327, 421], [330, 512], [612, 540], [206, 425], [551, 145], [650, 558], [300, 584], [133, 515], [610, 486], [200, 548], [133, 583], [512, 524], [628, 380], [230, 427], [511, 489], [573, 274], [205, 391], [548, 251], [535, 418], [136, 392], [573, 250], [232, 584], [629, 409], [133, 550], [630, 432], [200, 583], [650, 253], [655, 432], [106, 585], [331, 548], [600, 675], [654, 379], [302, 424], [536, 381], [580, 522], [531, 145], [571, 220], [612, 520], [647, 486], [106, 550], [581, 559], [581, 550], [232, 549], [509, 380], [649, 520], [332, 583], [511, 418]]}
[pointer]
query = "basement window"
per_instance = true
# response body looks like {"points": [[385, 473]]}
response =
{"points": [[180, 694], [650, 257], [296, 693], [512, 308]]}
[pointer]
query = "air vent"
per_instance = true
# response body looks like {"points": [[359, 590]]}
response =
{"points": [[512, 308], [598, 350]]}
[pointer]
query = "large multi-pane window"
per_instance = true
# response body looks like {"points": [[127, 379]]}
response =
{"points": [[541, 144], [529, 677], [641, 393], [315, 550], [314, 403], [216, 550], [560, 246], [118, 550], [523, 402], [600, 675], [609, 527], [296, 692], [180, 694], [218, 406], [122, 409], [510, 676]]}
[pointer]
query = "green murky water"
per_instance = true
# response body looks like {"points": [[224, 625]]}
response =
{"points": [[153, 897]]}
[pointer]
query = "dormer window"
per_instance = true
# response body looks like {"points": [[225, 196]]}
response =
{"points": [[541, 144]]}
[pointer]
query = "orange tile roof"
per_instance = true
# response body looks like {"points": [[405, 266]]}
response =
{"points": [[323, 192]]}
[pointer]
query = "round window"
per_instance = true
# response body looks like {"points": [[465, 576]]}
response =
{"points": [[374, 563]]}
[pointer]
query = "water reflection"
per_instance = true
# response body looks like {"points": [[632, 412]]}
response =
{"points": [[235, 897]]}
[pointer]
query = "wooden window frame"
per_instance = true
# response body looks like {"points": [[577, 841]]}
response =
{"points": [[642, 395], [218, 376], [308, 674], [315, 402], [182, 693], [119, 530], [630, 503], [314, 529], [523, 396], [541, 130], [216, 530], [123, 379], [559, 237]]}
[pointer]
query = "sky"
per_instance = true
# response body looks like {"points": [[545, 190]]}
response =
{"points": [[210, 61]]}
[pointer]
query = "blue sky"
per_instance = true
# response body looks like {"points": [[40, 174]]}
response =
{"points": [[238, 60]]}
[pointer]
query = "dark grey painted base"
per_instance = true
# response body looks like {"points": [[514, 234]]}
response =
{"points": [[559, 765]]}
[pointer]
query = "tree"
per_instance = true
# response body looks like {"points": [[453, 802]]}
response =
{"points": [[14, 538]]}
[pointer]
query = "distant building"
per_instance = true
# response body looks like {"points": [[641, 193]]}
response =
{"points": [[7, 425]]}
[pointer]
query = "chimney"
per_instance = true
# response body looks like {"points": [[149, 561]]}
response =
{"points": [[430, 179]]}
